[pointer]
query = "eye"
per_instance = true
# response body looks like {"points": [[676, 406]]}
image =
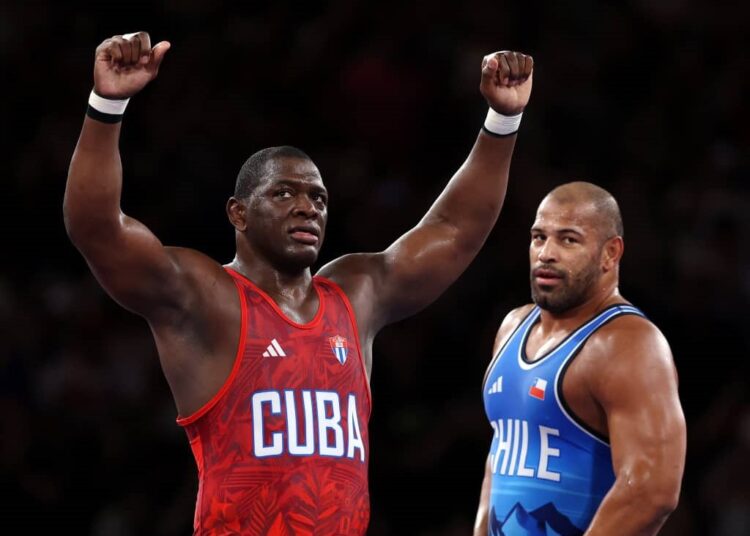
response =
{"points": [[284, 194], [537, 237], [569, 240], [320, 198]]}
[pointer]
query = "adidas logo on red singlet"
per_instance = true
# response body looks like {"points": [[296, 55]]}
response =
{"points": [[274, 350]]}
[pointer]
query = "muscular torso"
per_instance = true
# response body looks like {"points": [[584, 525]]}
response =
{"points": [[197, 345], [582, 371]]}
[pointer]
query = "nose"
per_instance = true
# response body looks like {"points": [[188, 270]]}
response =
{"points": [[304, 206], [546, 252]]}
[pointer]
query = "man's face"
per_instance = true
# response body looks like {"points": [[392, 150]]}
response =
{"points": [[565, 255], [287, 213]]}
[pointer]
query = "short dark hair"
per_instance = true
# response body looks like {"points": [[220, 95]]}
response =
{"points": [[253, 169]]}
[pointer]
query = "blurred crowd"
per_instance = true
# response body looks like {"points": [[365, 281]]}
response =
{"points": [[647, 99]]}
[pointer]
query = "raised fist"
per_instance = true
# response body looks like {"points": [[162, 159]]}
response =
{"points": [[506, 81], [124, 64]]}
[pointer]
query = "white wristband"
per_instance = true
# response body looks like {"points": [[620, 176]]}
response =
{"points": [[107, 106], [501, 125]]}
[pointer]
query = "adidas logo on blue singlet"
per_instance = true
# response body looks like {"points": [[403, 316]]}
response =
{"points": [[497, 387]]}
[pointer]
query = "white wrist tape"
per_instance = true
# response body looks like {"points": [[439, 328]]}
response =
{"points": [[502, 125], [107, 106]]}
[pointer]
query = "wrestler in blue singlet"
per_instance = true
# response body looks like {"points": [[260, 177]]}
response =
{"points": [[549, 471]]}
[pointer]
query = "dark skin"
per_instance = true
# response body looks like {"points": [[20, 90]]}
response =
{"points": [[623, 383], [188, 299]]}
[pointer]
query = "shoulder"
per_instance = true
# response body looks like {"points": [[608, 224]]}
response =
{"points": [[510, 323], [627, 357], [358, 274], [630, 338], [200, 280], [349, 268], [195, 266]]}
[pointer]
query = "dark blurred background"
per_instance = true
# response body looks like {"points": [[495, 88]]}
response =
{"points": [[646, 98]]}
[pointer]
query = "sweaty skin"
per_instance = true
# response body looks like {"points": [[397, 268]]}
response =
{"points": [[623, 383], [187, 298]]}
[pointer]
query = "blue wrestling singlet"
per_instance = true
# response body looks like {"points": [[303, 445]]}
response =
{"points": [[549, 472]]}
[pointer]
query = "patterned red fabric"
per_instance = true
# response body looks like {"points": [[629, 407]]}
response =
{"points": [[283, 448]]}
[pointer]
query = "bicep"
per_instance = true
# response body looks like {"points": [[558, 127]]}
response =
{"points": [[407, 276], [132, 265], [420, 265], [638, 393]]}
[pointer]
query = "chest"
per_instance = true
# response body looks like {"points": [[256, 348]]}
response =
{"points": [[279, 351], [550, 389], [537, 344]]}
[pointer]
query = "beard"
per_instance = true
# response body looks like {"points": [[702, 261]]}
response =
{"points": [[572, 291]]}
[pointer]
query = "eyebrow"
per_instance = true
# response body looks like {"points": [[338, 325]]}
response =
{"points": [[297, 182], [564, 230], [569, 230]]}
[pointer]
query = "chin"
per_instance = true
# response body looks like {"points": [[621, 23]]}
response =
{"points": [[300, 259], [550, 306], [549, 301]]}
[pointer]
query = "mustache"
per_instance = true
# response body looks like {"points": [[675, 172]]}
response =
{"points": [[546, 270]]}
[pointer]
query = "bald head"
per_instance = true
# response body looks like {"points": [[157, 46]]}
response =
{"points": [[576, 247], [596, 202]]}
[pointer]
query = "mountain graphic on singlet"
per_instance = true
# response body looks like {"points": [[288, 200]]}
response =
{"points": [[544, 521]]}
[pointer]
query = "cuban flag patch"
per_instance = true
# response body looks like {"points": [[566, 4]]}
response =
{"points": [[538, 388], [340, 348]]}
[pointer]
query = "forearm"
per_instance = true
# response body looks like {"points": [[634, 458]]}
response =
{"points": [[93, 189], [471, 202], [633, 510], [480, 523]]}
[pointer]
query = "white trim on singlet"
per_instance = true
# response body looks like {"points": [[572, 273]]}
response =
{"points": [[524, 337], [531, 316]]}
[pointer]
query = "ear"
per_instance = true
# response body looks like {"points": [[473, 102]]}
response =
{"points": [[612, 253], [237, 213]]}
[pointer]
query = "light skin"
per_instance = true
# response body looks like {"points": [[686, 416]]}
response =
{"points": [[623, 383], [188, 299]]}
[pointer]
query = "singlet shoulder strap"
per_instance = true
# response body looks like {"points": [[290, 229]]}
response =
{"points": [[605, 316], [570, 349], [518, 334]]}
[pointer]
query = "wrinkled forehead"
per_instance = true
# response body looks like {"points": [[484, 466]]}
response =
{"points": [[578, 215], [293, 170]]}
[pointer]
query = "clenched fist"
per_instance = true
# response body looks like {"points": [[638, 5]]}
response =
{"points": [[124, 64], [506, 81]]}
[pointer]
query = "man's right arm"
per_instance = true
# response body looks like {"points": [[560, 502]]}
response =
{"points": [[480, 523], [509, 323], [127, 259]]}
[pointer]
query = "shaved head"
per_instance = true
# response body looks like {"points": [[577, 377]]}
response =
{"points": [[601, 205], [576, 246]]}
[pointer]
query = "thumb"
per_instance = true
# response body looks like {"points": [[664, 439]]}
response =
{"points": [[489, 70], [158, 53]]}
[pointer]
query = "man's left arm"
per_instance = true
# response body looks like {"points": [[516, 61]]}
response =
{"points": [[636, 386], [422, 263]]}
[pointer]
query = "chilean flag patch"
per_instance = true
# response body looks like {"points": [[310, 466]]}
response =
{"points": [[537, 390], [339, 347]]}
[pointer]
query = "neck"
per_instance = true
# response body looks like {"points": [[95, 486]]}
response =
{"points": [[282, 285]]}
